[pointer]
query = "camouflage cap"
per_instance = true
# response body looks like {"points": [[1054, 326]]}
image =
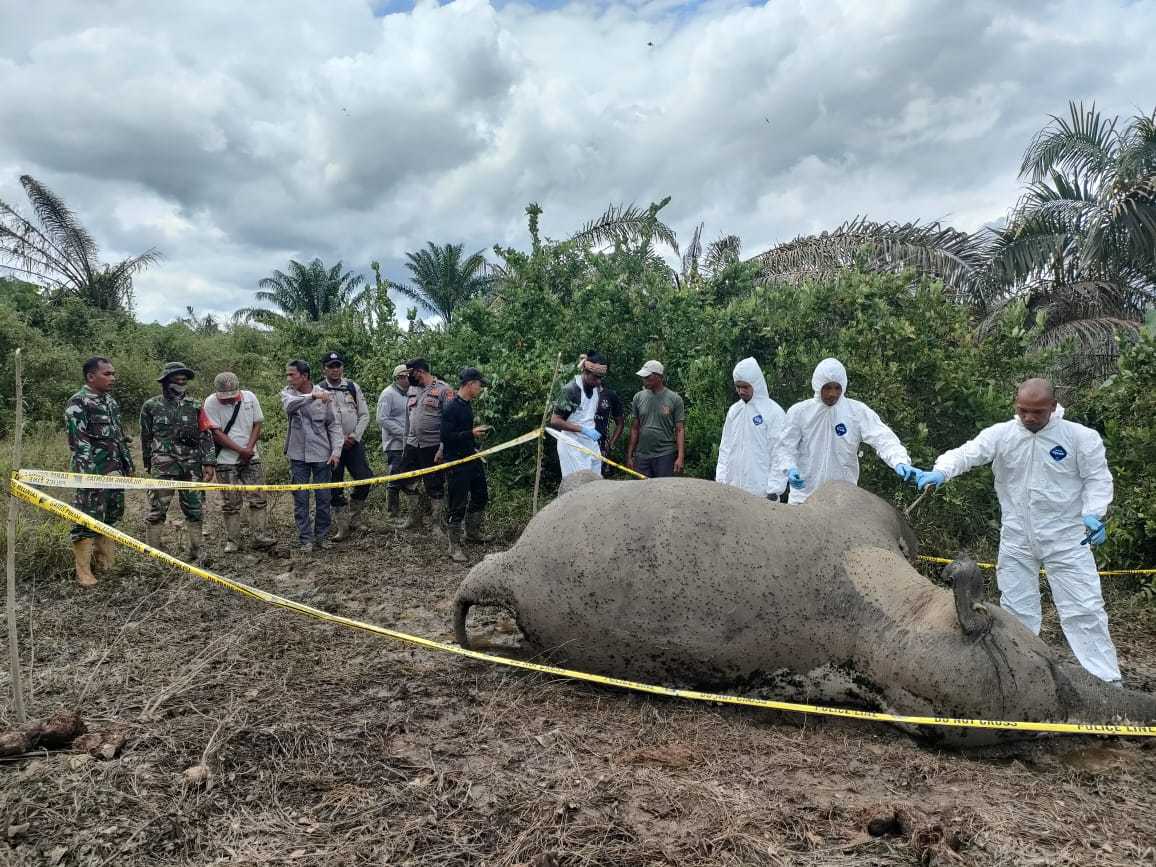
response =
{"points": [[174, 367], [226, 385]]}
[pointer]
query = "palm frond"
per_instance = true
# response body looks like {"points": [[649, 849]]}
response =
{"points": [[1082, 143], [624, 225], [722, 252], [949, 254]]}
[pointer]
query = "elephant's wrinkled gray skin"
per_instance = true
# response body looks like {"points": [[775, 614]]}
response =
{"points": [[693, 583]]}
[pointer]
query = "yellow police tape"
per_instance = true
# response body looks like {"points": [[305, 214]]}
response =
{"points": [[55, 479], [63, 510], [565, 439], [945, 561]]}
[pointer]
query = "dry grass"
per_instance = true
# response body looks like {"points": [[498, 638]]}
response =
{"points": [[256, 737]]}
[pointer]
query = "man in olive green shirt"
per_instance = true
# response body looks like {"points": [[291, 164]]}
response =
{"points": [[657, 432]]}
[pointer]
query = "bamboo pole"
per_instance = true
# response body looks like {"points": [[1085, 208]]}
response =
{"points": [[13, 505], [542, 438]]}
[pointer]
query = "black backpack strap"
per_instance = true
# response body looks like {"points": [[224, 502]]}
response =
{"points": [[233, 418]]}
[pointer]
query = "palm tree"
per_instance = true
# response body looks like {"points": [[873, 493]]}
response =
{"points": [[308, 293], [442, 281], [953, 256], [1079, 248], [61, 253]]}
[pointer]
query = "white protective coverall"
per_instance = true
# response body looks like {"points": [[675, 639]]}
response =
{"points": [[569, 458], [822, 441], [749, 437], [1046, 482]]}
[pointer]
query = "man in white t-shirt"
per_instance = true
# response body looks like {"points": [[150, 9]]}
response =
{"points": [[236, 419]]}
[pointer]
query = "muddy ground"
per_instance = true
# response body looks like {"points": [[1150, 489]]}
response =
{"points": [[226, 732]]}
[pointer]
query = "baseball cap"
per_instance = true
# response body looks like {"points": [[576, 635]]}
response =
{"points": [[332, 358], [399, 370], [226, 385], [652, 367], [469, 374]]}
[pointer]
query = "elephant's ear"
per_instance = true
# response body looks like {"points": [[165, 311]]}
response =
{"points": [[879, 575]]}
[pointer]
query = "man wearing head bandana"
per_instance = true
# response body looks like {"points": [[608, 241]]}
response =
{"points": [[584, 411], [750, 435], [821, 436]]}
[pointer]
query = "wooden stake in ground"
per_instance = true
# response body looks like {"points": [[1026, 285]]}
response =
{"points": [[13, 505], [541, 439]]}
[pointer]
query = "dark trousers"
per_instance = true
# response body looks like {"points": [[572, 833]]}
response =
{"points": [[467, 491], [303, 472], [353, 459], [659, 467], [418, 458], [393, 459]]}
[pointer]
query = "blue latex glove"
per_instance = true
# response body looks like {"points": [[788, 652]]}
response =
{"points": [[924, 479], [906, 472], [795, 479], [1097, 532], [591, 432]]}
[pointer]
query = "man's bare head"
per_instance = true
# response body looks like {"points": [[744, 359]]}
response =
{"points": [[1035, 403]]}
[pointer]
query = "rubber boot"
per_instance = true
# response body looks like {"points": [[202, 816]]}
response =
{"points": [[455, 537], [82, 550], [259, 523], [155, 536], [356, 507], [194, 528], [393, 502], [417, 510], [341, 523], [104, 553], [474, 532], [438, 516], [232, 532]]}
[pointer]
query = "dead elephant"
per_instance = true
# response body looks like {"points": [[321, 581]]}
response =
{"points": [[692, 583]]}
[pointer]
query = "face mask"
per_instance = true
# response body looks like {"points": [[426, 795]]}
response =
{"points": [[178, 390]]}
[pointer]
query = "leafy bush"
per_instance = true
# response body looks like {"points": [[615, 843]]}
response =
{"points": [[1125, 409]]}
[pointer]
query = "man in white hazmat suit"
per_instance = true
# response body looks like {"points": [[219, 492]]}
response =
{"points": [[821, 436], [1054, 488], [750, 434]]}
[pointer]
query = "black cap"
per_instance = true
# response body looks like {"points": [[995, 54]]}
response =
{"points": [[469, 374], [418, 364], [331, 358]]}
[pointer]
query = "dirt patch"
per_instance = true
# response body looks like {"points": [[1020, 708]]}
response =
{"points": [[231, 733]]}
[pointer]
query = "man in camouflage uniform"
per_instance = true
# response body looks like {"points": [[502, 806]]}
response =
{"points": [[98, 445], [176, 443]]}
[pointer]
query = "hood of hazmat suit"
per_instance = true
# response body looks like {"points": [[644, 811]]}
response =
{"points": [[750, 434], [823, 441], [1046, 482]]}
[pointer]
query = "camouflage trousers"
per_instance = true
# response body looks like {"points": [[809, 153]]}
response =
{"points": [[192, 502], [251, 473], [103, 504]]}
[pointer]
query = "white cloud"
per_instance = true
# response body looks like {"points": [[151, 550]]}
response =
{"points": [[233, 136]]}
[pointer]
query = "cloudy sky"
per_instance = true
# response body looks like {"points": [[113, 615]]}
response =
{"points": [[234, 136]]}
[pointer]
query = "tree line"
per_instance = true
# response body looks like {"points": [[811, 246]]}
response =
{"points": [[935, 325]]}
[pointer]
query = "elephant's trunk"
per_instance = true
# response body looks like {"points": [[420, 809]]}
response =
{"points": [[1088, 699], [485, 585]]}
